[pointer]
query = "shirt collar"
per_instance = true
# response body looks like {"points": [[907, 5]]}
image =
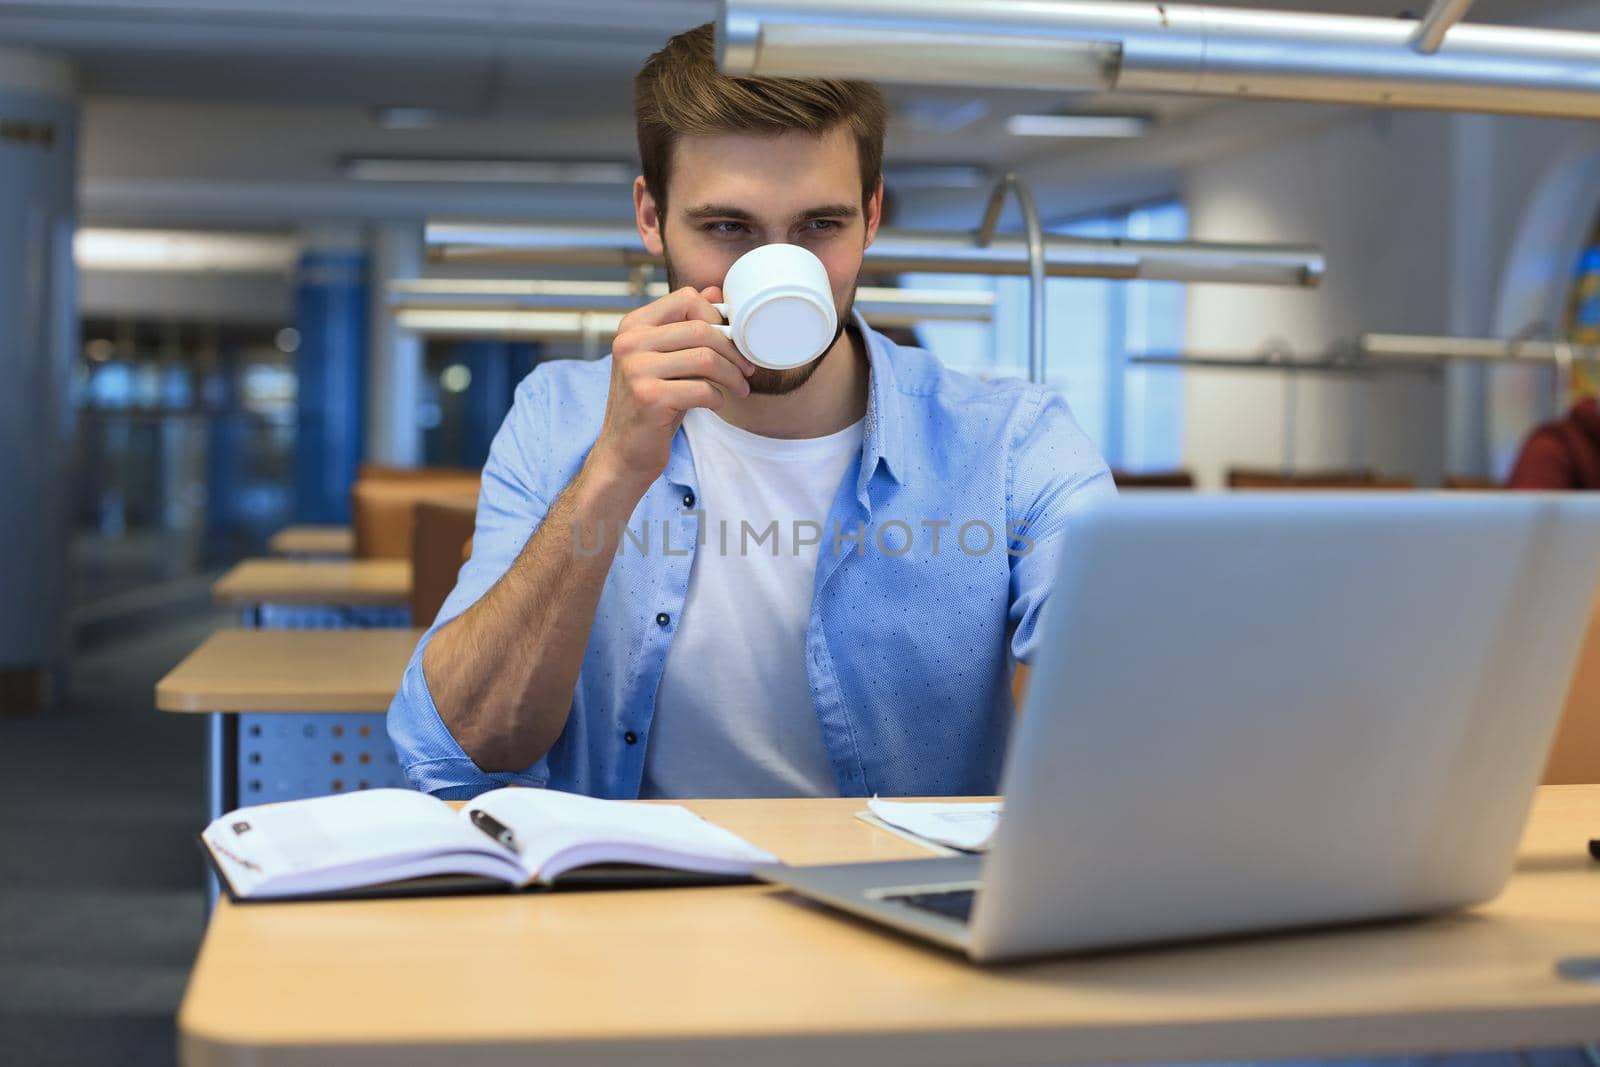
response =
{"points": [[882, 436]]}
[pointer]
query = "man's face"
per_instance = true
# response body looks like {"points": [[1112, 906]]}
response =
{"points": [[729, 193]]}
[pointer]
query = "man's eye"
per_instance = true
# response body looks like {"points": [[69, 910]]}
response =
{"points": [[822, 225], [724, 229]]}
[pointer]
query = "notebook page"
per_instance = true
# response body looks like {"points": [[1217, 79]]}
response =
{"points": [[357, 836], [549, 823], [967, 825]]}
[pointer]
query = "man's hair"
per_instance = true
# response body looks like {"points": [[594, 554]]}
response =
{"points": [[679, 91]]}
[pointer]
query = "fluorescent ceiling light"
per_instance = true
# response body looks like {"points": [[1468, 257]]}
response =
{"points": [[1077, 125], [536, 324], [183, 251], [511, 171]]}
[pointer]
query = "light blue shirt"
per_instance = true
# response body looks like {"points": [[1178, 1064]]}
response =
{"points": [[935, 561]]}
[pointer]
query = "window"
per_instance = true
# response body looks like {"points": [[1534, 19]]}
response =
{"points": [[1135, 414]]}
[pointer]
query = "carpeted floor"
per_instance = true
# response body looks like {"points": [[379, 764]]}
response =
{"points": [[100, 899]]}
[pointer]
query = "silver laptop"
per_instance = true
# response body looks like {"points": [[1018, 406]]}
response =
{"points": [[1263, 711]]}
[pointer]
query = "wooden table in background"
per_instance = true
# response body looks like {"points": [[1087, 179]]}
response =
{"points": [[753, 975], [307, 670], [314, 541], [342, 583], [320, 671]]}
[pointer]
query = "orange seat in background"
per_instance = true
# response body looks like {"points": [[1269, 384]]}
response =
{"points": [[1575, 756], [1245, 478], [440, 540], [1471, 483], [381, 509], [382, 472], [1173, 479], [1019, 685]]}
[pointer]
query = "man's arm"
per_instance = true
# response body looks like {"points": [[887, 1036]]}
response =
{"points": [[1055, 470], [502, 673]]}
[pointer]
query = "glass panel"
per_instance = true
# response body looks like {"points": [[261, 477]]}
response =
{"points": [[1134, 414]]}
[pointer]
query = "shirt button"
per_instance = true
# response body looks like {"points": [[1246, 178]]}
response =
{"points": [[630, 737], [662, 618], [688, 500]]}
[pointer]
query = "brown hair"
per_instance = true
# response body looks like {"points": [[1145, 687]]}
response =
{"points": [[679, 91]]}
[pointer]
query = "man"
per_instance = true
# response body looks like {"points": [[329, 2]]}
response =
{"points": [[1563, 454], [691, 576]]}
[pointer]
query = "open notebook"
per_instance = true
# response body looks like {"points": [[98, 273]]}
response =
{"points": [[385, 842]]}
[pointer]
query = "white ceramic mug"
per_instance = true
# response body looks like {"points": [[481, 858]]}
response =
{"points": [[779, 306]]}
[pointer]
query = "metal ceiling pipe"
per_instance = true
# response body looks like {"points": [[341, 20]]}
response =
{"points": [[881, 306], [1436, 23], [1170, 48], [1033, 234], [911, 251], [1397, 346]]}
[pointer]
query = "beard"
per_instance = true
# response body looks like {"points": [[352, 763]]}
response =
{"points": [[766, 381]]}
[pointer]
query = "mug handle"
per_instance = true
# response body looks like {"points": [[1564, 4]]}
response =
{"points": [[725, 328]]}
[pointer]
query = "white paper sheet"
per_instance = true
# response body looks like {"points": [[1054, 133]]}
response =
{"points": [[558, 831], [967, 825]]}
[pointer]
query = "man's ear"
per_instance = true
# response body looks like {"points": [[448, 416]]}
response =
{"points": [[647, 217], [874, 212]]}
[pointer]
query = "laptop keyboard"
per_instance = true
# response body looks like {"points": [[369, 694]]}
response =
{"points": [[952, 904]]}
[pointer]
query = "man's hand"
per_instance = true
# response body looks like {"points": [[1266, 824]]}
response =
{"points": [[666, 359]]}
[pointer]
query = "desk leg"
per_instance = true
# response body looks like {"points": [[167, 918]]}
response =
{"points": [[222, 777]]}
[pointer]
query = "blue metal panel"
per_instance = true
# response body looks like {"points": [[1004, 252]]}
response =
{"points": [[331, 314], [331, 617], [488, 396], [291, 756]]}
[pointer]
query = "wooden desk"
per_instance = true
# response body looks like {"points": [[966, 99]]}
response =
{"points": [[362, 582], [287, 671], [338, 542], [307, 670], [751, 975]]}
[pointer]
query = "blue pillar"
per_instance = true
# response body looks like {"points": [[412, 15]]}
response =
{"points": [[525, 356], [331, 315], [38, 347], [488, 395], [225, 456]]}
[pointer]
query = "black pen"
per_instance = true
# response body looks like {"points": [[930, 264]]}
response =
{"points": [[494, 828]]}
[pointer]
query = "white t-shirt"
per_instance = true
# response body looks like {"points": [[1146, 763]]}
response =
{"points": [[733, 714]]}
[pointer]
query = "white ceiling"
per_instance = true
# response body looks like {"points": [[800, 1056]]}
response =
{"points": [[281, 90], [503, 56], [509, 58]]}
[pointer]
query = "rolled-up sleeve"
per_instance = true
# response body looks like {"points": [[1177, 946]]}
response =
{"points": [[512, 503], [1055, 471]]}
